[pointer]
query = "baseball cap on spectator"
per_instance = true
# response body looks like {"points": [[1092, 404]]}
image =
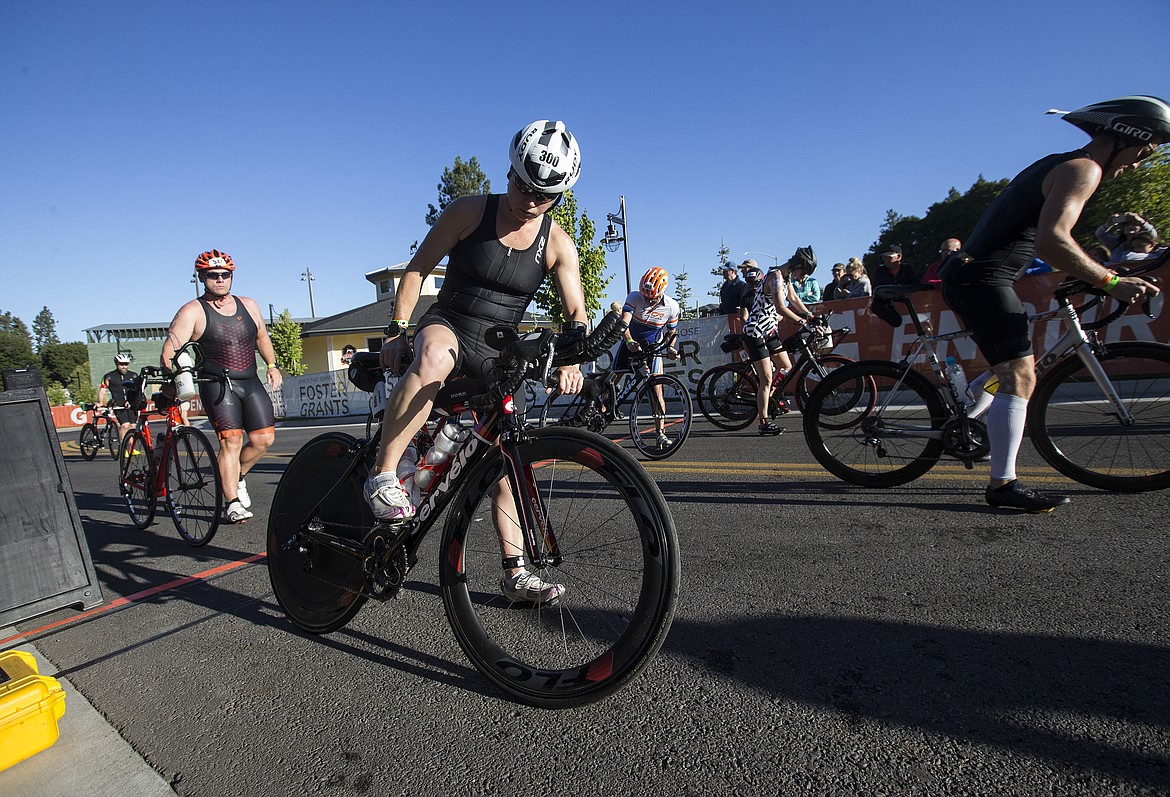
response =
{"points": [[750, 263], [893, 249]]}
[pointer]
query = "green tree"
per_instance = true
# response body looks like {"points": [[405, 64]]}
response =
{"points": [[462, 179], [16, 349], [286, 342], [81, 386], [682, 294], [57, 394], [724, 262], [44, 330], [1144, 190], [592, 257], [952, 217], [59, 361]]}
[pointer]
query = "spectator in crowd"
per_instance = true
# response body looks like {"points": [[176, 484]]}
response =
{"points": [[893, 271], [347, 353], [731, 299], [1099, 253], [805, 284], [857, 284], [835, 289], [949, 245], [1119, 228], [1137, 247]]}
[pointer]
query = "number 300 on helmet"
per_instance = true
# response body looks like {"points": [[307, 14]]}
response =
{"points": [[545, 155], [653, 283]]}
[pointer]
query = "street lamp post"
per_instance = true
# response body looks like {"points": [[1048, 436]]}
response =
{"points": [[612, 239], [775, 259], [307, 276]]}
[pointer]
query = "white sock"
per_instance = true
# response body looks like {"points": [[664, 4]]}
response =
{"points": [[1005, 431]]}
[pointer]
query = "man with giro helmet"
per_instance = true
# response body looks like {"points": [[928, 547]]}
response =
{"points": [[1034, 216], [652, 317], [501, 248], [230, 330]]}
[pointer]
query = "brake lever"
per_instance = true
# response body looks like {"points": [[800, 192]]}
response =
{"points": [[550, 350]]}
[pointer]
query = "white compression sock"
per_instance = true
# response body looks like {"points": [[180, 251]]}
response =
{"points": [[1005, 432]]}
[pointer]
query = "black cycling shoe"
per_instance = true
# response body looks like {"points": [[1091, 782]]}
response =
{"points": [[1014, 496], [768, 428]]}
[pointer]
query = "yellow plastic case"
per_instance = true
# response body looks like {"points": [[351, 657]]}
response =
{"points": [[30, 705]]}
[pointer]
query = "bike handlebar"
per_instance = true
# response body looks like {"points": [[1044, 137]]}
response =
{"points": [[536, 354]]}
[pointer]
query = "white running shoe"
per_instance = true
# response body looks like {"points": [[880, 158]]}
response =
{"points": [[236, 513], [245, 499], [527, 586], [386, 497]]}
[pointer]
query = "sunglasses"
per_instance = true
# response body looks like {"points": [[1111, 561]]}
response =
{"points": [[216, 275], [527, 190]]}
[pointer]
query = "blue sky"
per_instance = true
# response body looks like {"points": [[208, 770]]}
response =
{"points": [[301, 134]]}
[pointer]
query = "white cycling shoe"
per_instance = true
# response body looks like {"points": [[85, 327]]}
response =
{"points": [[387, 498]]}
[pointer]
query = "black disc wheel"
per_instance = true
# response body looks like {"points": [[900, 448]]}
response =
{"points": [[660, 418], [1079, 431], [727, 396], [876, 424], [136, 478], [89, 442], [194, 493], [616, 560], [318, 586]]}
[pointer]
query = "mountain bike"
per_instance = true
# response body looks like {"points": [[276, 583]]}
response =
{"points": [[94, 436], [180, 467], [726, 393], [657, 406], [1100, 413], [591, 519]]}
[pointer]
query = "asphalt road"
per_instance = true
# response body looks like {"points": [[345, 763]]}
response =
{"points": [[829, 639]]}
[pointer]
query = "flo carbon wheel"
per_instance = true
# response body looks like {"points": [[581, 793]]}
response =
{"points": [[617, 560]]}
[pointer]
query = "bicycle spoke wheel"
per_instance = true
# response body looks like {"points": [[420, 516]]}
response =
{"points": [[1081, 434], [88, 442], [136, 478], [811, 373], [319, 588], [660, 418], [727, 396], [112, 441], [194, 494], [889, 436], [619, 568], [561, 411]]}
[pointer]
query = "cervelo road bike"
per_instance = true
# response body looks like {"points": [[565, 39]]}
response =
{"points": [[1100, 413], [94, 436], [590, 517], [657, 406], [180, 467], [726, 393]]}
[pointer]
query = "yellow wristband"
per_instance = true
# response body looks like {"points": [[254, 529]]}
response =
{"points": [[272, 365]]}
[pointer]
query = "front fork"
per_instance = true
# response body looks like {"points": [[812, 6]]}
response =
{"points": [[540, 543]]}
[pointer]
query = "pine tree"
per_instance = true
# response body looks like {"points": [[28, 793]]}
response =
{"points": [[44, 330], [286, 343]]}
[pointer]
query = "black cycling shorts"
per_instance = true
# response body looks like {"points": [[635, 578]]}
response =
{"points": [[243, 407], [474, 353], [762, 348], [996, 317]]}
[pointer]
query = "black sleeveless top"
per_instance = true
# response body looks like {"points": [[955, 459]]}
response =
{"points": [[1003, 242], [229, 341], [490, 281]]}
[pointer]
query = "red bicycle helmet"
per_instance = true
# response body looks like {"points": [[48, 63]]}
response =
{"points": [[213, 258]]}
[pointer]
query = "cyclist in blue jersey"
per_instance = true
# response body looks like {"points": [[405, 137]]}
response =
{"points": [[653, 318], [1034, 216]]}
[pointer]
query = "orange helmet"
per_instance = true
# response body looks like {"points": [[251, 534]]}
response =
{"points": [[654, 283], [213, 258]]}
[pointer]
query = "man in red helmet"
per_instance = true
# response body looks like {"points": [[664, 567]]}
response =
{"points": [[230, 330]]}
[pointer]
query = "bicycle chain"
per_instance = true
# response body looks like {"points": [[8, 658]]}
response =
{"points": [[391, 585]]}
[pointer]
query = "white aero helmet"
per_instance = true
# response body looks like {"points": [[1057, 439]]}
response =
{"points": [[121, 359], [545, 155]]}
